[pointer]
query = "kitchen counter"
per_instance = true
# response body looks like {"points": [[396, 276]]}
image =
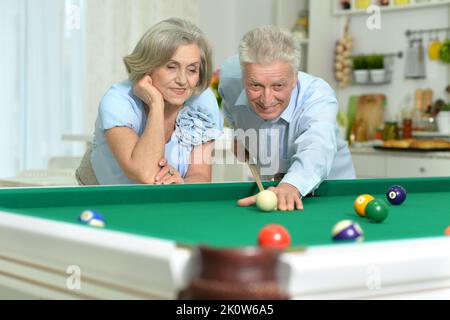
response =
{"points": [[421, 154]]}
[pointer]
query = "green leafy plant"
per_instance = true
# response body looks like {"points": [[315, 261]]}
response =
{"points": [[444, 52], [440, 105], [359, 63], [375, 61]]}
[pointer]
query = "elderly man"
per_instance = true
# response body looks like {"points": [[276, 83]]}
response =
{"points": [[285, 119]]}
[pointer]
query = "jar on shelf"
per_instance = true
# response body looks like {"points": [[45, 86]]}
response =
{"points": [[346, 4], [390, 131], [407, 128]]}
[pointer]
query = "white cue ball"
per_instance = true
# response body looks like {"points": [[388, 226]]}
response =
{"points": [[266, 200]]}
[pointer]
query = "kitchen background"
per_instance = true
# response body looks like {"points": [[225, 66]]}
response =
{"points": [[60, 56]]}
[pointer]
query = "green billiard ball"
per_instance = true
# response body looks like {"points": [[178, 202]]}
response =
{"points": [[377, 210]]}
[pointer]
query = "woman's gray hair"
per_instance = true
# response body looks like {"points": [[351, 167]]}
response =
{"points": [[160, 42], [268, 44]]}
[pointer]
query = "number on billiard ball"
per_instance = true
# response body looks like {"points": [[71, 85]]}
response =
{"points": [[396, 194], [347, 230], [274, 236], [361, 202], [92, 218]]}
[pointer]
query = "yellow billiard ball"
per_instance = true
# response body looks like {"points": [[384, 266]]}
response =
{"points": [[361, 203], [266, 200]]}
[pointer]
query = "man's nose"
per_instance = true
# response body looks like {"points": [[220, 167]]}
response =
{"points": [[267, 97]]}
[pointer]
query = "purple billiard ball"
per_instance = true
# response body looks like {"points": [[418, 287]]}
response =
{"points": [[396, 195]]}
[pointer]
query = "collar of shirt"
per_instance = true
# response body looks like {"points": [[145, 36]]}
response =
{"points": [[286, 115]]}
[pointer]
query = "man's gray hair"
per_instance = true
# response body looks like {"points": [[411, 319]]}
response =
{"points": [[268, 44], [160, 42]]}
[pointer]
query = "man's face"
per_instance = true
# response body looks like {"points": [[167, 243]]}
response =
{"points": [[269, 87]]}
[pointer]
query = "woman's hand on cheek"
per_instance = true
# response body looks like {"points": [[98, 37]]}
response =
{"points": [[148, 93]]}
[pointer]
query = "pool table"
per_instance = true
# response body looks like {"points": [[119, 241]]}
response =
{"points": [[145, 250]]}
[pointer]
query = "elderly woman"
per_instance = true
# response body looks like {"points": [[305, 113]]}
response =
{"points": [[158, 126]]}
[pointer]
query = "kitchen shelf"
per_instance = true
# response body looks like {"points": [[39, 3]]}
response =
{"points": [[413, 4]]}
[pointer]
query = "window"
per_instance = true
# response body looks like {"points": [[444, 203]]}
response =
{"points": [[42, 81]]}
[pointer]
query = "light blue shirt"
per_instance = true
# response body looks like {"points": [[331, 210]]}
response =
{"points": [[197, 122], [304, 142]]}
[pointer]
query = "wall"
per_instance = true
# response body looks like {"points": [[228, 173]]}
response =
{"points": [[323, 32], [113, 27], [225, 22]]}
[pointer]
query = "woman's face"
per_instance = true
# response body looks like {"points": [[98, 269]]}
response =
{"points": [[178, 78]]}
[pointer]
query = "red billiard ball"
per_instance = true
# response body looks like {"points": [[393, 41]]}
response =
{"points": [[274, 236], [447, 231]]}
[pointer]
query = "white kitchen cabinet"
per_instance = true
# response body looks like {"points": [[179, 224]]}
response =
{"points": [[369, 166], [400, 167], [384, 164]]}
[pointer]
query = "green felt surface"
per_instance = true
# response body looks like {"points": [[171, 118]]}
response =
{"points": [[208, 214]]}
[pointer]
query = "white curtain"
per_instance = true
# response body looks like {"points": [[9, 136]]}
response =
{"points": [[42, 75], [11, 70], [58, 58]]}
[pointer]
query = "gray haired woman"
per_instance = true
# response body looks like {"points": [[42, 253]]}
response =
{"points": [[158, 126]]}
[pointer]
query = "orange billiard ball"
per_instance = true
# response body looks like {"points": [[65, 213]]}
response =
{"points": [[274, 236], [361, 202], [447, 231]]}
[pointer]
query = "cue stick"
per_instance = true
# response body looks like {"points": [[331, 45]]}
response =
{"points": [[255, 174], [252, 167]]}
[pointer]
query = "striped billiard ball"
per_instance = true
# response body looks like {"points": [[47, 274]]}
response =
{"points": [[92, 218], [347, 230], [361, 202]]}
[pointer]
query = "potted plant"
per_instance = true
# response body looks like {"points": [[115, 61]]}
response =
{"points": [[360, 69], [376, 65]]}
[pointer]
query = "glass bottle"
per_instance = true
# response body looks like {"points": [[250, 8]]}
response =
{"points": [[390, 131], [407, 128]]}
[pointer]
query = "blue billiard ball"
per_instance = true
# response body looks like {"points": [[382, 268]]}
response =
{"points": [[92, 218], [396, 194], [347, 230]]}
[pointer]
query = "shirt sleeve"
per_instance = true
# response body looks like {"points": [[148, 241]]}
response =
{"points": [[117, 111], [200, 120], [315, 143]]}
